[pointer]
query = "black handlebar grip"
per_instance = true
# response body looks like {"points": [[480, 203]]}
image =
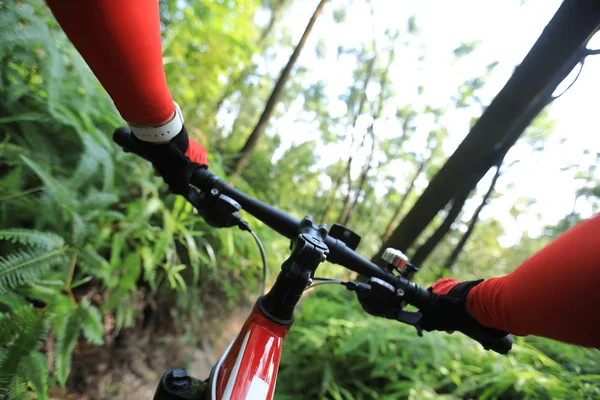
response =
{"points": [[499, 344], [124, 138]]}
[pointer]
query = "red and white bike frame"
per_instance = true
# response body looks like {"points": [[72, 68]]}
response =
{"points": [[248, 368]]}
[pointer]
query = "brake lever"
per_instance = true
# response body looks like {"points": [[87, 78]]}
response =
{"points": [[381, 299], [217, 209]]}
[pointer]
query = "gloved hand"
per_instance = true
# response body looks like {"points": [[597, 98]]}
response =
{"points": [[174, 161], [447, 310]]}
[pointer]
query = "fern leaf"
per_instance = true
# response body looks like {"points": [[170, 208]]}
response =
{"points": [[13, 301], [88, 162], [35, 370], [16, 389], [24, 266], [14, 322], [66, 339], [63, 196], [86, 168], [30, 237], [91, 322], [14, 37], [97, 200], [79, 231], [33, 331], [95, 264], [97, 145]]}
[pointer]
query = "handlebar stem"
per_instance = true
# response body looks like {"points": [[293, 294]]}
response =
{"points": [[296, 274]]}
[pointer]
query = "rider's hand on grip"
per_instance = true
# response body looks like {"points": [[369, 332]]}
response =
{"points": [[175, 161], [447, 311]]}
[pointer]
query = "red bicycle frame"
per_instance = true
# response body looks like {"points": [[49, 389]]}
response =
{"points": [[248, 368]]}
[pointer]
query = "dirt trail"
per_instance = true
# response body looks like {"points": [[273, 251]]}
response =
{"points": [[207, 357], [132, 369]]}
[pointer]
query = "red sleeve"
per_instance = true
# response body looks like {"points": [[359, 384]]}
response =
{"points": [[555, 293], [120, 41]]}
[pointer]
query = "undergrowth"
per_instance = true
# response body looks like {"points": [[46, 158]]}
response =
{"points": [[87, 228], [336, 351]]}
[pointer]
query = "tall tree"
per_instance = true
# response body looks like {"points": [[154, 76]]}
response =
{"points": [[244, 154], [356, 109], [527, 92], [471, 226], [436, 237], [350, 205], [385, 93], [398, 210]]}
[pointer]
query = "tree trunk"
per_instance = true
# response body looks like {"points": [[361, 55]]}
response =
{"points": [[430, 244], [234, 84], [331, 197], [390, 227], [357, 113], [361, 182], [424, 251], [463, 240], [246, 151], [346, 202], [376, 115], [554, 55]]}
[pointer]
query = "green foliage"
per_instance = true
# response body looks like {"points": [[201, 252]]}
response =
{"points": [[22, 331], [201, 60], [466, 48], [80, 214], [24, 266], [81, 217], [336, 352]]}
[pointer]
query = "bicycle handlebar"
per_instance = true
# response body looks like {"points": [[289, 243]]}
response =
{"points": [[288, 226], [339, 252]]}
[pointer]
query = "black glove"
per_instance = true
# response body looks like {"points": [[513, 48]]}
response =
{"points": [[448, 312], [175, 161]]}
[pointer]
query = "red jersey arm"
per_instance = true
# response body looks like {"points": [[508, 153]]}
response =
{"points": [[555, 293], [120, 41]]}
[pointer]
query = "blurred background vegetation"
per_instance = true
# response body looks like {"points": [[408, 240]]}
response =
{"points": [[96, 256]]}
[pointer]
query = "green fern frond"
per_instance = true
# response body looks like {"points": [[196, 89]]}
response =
{"points": [[63, 196], [24, 266], [93, 261], [16, 389], [14, 322], [30, 337], [79, 231], [86, 168], [35, 370], [88, 162], [33, 238], [66, 339], [91, 322], [11, 37], [98, 200], [12, 300], [97, 146]]}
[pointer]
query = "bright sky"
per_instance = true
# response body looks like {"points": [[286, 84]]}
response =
{"points": [[507, 29]]}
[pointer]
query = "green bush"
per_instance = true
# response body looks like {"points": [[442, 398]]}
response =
{"points": [[336, 351], [83, 217]]}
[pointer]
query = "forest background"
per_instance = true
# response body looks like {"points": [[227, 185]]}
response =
{"points": [[345, 110]]}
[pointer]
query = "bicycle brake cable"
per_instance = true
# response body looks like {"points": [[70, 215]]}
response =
{"points": [[263, 256]]}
